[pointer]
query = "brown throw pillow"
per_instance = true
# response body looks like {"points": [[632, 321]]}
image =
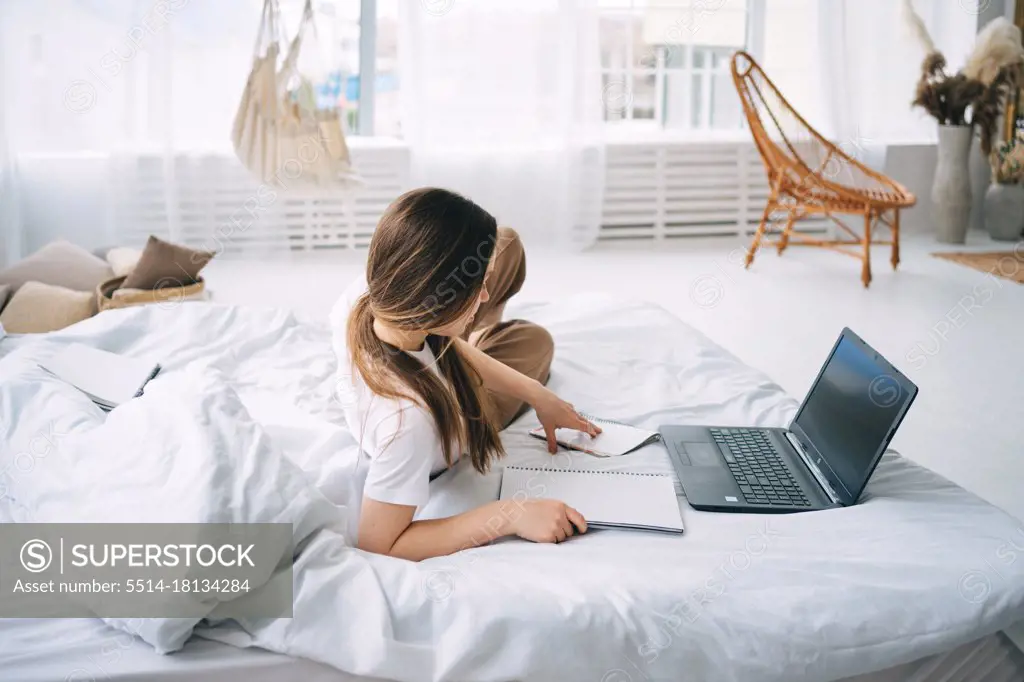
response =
{"points": [[163, 264], [37, 307], [61, 264], [5, 291]]}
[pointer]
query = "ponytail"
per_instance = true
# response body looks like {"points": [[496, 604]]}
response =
{"points": [[391, 373]]}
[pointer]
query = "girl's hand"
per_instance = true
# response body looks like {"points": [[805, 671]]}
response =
{"points": [[555, 413], [547, 521]]}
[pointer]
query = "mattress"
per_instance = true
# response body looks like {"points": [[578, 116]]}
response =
{"points": [[918, 569], [990, 659], [78, 650]]}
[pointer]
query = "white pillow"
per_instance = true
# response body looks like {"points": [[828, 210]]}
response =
{"points": [[122, 260]]}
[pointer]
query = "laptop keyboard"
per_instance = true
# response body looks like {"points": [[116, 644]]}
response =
{"points": [[761, 474]]}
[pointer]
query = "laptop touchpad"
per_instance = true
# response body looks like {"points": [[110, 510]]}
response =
{"points": [[702, 454]]}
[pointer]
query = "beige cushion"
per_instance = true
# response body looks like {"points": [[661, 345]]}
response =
{"points": [[61, 264], [122, 259], [163, 264], [5, 291], [38, 307]]}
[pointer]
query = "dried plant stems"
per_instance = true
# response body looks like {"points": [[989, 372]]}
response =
{"points": [[958, 100], [945, 98], [989, 106], [975, 95]]}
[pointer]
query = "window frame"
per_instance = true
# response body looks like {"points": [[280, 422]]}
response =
{"points": [[628, 126], [622, 128], [367, 66]]}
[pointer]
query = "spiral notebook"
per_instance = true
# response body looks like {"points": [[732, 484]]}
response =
{"points": [[607, 499], [616, 439]]}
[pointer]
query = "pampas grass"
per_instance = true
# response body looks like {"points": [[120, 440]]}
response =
{"points": [[945, 97], [916, 27], [998, 46], [975, 95]]}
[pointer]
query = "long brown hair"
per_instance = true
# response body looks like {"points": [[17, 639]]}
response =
{"points": [[425, 269]]}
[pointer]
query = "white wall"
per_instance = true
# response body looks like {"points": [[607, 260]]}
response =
{"points": [[913, 166], [10, 228]]}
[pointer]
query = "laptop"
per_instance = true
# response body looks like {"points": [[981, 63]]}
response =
{"points": [[823, 460]]}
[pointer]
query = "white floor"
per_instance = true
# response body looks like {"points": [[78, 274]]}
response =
{"points": [[958, 333]]}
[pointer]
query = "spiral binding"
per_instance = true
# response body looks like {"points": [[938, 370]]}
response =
{"points": [[601, 420], [583, 471]]}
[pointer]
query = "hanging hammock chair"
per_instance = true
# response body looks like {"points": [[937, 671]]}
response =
{"points": [[279, 133]]}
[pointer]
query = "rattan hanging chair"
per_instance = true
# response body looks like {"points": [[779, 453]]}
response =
{"points": [[809, 176]]}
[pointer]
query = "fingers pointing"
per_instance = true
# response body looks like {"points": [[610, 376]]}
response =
{"points": [[588, 427], [552, 443]]}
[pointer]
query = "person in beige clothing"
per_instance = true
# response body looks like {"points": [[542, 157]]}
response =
{"points": [[429, 372], [524, 346]]}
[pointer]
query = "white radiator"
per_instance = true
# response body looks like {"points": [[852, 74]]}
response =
{"points": [[664, 191], [211, 202], [653, 191]]}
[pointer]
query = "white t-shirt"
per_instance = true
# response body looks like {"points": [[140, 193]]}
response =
{"points": [[399, 436]]}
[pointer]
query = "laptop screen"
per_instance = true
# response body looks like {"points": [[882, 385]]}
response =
{"points": [[851, 412]]}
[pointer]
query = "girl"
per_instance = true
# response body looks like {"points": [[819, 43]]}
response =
{"points": [[429, 372]]}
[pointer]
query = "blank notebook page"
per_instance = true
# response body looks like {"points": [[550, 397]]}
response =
{"points": [[113, 379], [605, 498]]}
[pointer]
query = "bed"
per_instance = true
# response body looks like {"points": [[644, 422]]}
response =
{"points": [[916, 582], [78, 650]]}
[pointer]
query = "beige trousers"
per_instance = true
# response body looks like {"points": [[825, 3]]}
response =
{"points": [[524, 346]]}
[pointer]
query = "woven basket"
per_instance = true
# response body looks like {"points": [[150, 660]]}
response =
{"points": [[110, 295]]}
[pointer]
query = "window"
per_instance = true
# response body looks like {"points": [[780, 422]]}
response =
{"points": [[105, 75], [335, 63], [386, 120], [121, 75], [665, 63], [792, 63], [340, 28]]}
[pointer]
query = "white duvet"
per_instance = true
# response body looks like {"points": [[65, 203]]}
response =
{"points": [[241, 426]]}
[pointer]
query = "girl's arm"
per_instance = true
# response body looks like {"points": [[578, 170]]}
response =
{"points": [[389, 529], [552, 411]]}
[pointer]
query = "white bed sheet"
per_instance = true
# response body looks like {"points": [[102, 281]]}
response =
{"points": [[918, 568]]}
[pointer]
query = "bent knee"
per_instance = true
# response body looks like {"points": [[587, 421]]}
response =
{"points": [[510, 245], [537, 339]]}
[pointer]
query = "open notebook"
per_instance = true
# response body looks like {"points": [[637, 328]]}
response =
{"points": [[614, 440], [107, 378], [607, 499]]}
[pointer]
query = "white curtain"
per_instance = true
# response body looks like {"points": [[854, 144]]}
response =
{"points": [[90, 85], [100, 95], [868, 65], [501, 101], [10, 222]]}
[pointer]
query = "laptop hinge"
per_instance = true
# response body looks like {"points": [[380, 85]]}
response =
{"points": [[812, 467]]}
